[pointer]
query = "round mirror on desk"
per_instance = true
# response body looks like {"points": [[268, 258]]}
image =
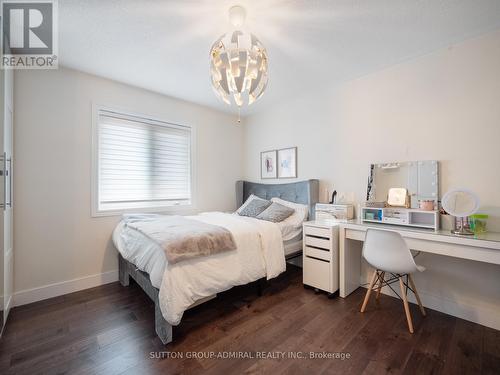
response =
{"points": [[460, 203]]}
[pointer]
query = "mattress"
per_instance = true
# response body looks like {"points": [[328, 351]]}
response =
{"points": [[293, 245], [290, 232], [149, 257]]}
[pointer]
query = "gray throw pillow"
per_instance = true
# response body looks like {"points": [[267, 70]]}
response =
{"points": [[276, 212], [254, 208]]}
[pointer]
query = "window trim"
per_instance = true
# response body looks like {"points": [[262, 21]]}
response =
{"points": [[95, 211]]}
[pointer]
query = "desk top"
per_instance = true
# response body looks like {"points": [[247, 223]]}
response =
{"points": [[489, 239]]}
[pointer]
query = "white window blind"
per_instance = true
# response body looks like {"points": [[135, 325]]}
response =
{"points": [[142, 162]]}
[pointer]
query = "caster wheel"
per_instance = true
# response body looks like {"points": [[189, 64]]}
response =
{"points": [[333, 295]]}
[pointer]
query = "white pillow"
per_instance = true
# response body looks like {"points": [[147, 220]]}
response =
{"points": [[298, 217], [249, 199]]}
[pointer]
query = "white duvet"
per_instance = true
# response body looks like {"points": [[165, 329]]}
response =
{"points": [[259, 254]]}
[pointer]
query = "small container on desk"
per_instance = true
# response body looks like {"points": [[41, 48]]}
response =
{"points": [[477, 223], [334, 211]]}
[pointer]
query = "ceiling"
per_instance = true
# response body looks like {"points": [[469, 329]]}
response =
{"points": [[163, 45]]}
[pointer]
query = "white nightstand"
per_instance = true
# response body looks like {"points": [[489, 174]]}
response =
{"points": [[321, 256]]}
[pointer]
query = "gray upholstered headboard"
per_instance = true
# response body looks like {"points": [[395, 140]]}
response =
{"points": [[304, 192]]}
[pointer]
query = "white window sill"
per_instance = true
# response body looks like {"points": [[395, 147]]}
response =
{"points": [[181, 209]]}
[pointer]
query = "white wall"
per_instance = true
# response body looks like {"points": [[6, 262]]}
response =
{"points": [[56, 239], [442, 106]]}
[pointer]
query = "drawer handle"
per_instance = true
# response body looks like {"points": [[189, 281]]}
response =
{"points": [[315, 236], [318, 248], [321, 260]]}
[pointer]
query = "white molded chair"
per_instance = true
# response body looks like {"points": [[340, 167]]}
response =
{"points": [[388, 252]]}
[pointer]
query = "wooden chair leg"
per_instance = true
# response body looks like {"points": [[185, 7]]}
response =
{"points": [[405, 303], [369, 291], [412, 284], [381, 279]]}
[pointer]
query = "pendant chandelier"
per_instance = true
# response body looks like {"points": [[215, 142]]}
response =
{"points": [[238, 64]]}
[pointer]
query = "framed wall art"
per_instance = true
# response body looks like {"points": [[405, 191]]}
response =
{"points": [[287, 162], [268, 167]]}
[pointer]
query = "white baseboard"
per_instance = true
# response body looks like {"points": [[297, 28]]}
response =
{"points": [[26, 296], [8, 305], [473, 311]]}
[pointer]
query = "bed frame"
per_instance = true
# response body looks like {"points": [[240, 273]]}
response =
{"points": [[304, 192]]}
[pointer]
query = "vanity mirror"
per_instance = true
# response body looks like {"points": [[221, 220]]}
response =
{"points": [[460, 203], [419, 178], [403, 193]]}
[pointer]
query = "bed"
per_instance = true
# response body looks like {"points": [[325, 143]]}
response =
{"points": [[148, 268]]}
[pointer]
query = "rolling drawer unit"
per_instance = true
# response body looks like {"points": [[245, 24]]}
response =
{"points": [[321, 256]]}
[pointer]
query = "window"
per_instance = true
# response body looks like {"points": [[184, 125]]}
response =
{"points": [[140, 163]]}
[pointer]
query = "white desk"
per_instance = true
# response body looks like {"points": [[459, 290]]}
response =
{"points": [[483, 248]]}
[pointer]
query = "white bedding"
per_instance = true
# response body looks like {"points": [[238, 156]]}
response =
{"points": [[291, 227], [149, 257], [259, 254], [145, 254], [289, 231]]}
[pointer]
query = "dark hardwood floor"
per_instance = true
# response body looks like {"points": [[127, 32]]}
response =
{"points": [[110, 330]]}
